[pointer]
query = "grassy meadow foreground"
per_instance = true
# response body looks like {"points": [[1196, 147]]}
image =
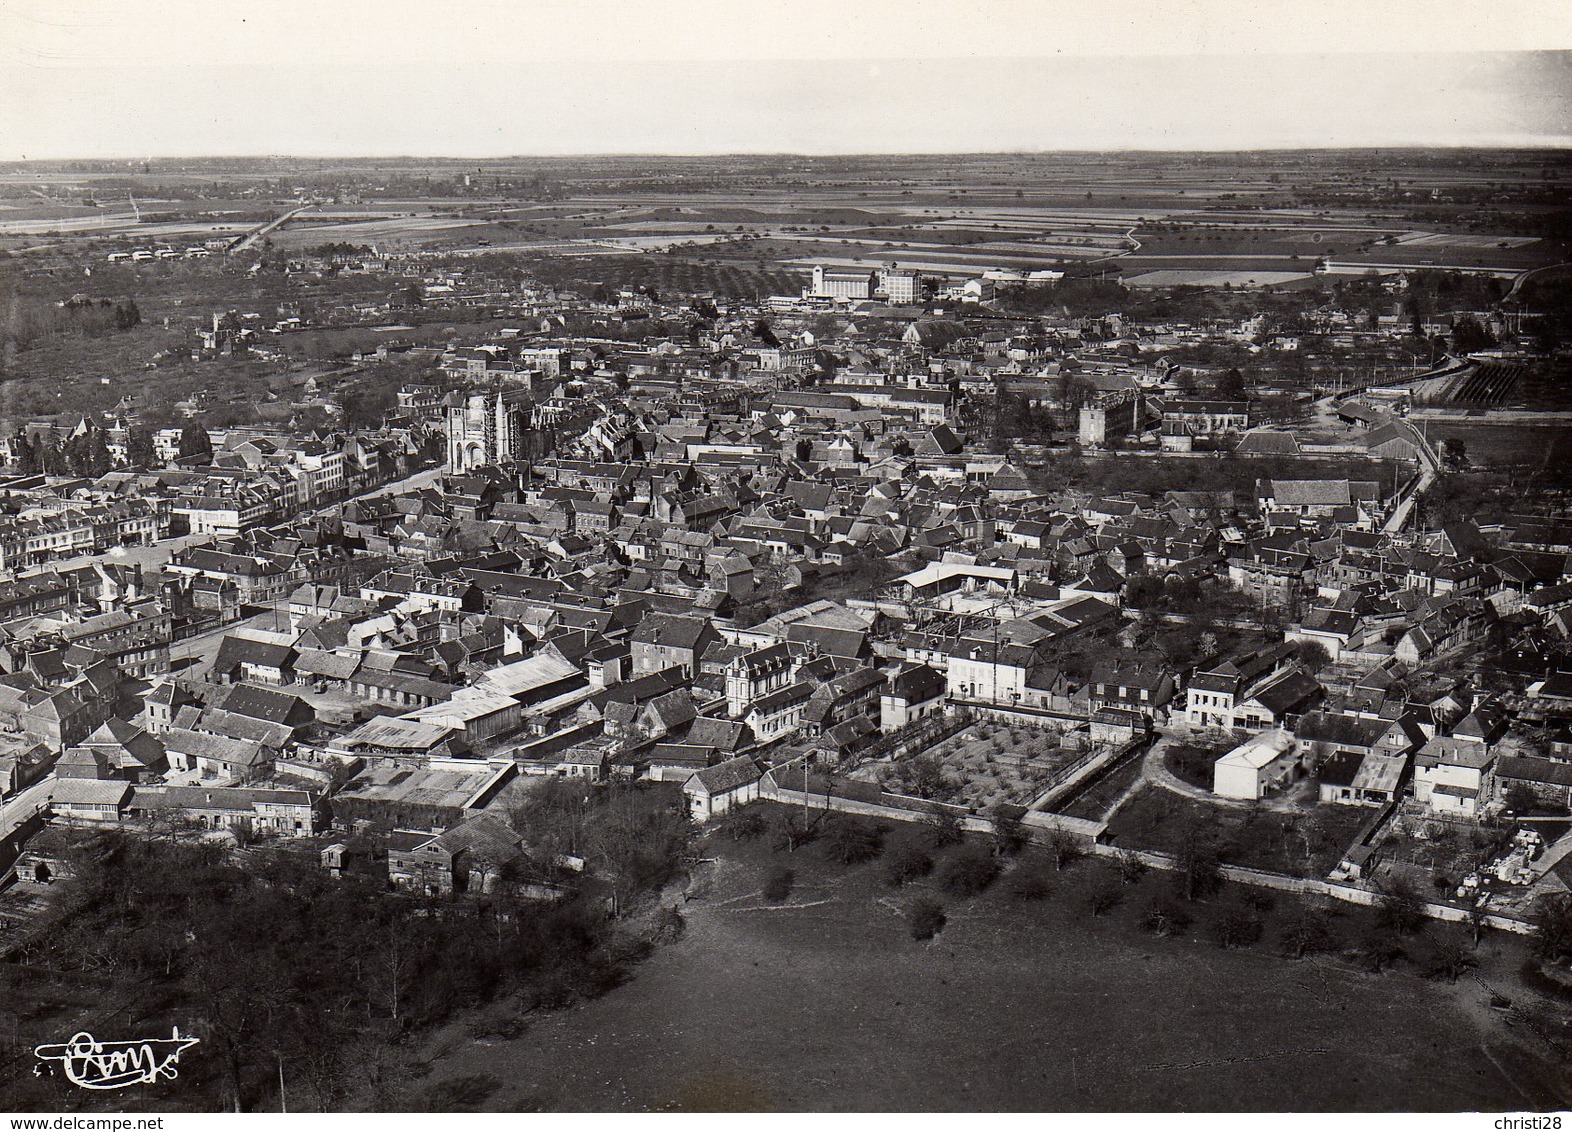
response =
{"points": [[823, 1001]]}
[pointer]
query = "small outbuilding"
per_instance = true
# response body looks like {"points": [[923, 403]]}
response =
{"points": [[1263, 764], [714, 790]]}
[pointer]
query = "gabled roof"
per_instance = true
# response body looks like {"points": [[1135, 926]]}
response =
{"points": [[1339, 729], [485, 837], [129, 744], [1380, 772], [1268, 441], [235, 651], [834, 641], [670, 630], [723, 735], [217, 748], [1445, 751], [1310, 493], [722, 778], [266, 704], [89, 791], [1290, 690], [1340, 768]]}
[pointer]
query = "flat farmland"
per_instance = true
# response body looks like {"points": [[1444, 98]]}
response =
{"points": [[383, 231], [1501, 253], [1139, 262], [1506, 445], [916, 260], [945, 226], [1256, 241], [824, 1003], [1171, 278]]}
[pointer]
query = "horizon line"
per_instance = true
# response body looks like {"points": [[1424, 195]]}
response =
{"points": [[1557, 144]]}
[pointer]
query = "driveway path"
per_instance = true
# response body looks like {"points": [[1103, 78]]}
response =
{"points": [[1554, 855], [1155, 771]]}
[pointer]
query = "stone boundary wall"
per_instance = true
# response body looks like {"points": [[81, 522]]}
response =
{"points": [[1309, 886], [920, 810]]}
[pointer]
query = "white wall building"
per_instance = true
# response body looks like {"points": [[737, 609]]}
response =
{"points": [[1254, 769]]}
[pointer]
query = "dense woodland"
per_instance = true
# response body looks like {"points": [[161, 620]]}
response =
{"points": [[280, 969]]}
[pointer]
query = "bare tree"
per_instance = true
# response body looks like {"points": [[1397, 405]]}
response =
{"points": [[1237, 929], [1449, 960], [854, 840], [1163, 917], [1400, 906], [778, 884], [1104, 896], [1307, 930], [1065, 848], [1552, 917], [1009, 830], [906, 859], [394, 955], [1478, 921], [1380, 949], [946, 826], [1198, 857], [1131, 867], [925, 917]]}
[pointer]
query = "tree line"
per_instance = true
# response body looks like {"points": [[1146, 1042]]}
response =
{"points": [[87, 454], [26, 320], [289, 976]]}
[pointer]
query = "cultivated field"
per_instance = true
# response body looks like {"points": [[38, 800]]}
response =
{"points": [[1242, 220]]}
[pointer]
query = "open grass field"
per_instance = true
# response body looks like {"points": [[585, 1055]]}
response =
{"points": [[1512, 445], [825, 1003]]}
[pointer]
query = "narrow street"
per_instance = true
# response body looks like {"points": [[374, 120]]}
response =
{"points": [[24, 804]]}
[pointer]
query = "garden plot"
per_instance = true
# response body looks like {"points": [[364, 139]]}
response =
{"points": [[982, 766]]}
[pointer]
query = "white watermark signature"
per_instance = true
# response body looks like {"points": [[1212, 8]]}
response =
{"points": [[93, 1064]]}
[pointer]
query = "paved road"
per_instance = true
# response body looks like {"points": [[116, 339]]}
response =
{"points": [[252, 237], [1517, 283], [24, 804], [1430, 468]]}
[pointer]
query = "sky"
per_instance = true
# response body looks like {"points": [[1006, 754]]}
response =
{"points": [[483, 78]]}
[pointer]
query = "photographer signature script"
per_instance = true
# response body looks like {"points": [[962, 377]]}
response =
{"points": [[93, 1064]]}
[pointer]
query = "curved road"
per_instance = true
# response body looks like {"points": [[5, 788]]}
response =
{"points": [[1523, 278]]}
